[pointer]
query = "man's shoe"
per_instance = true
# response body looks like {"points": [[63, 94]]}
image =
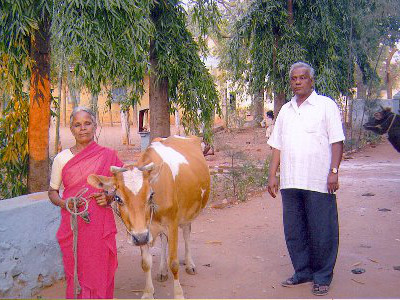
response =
{"points": [[320, 289], [291, 282]]}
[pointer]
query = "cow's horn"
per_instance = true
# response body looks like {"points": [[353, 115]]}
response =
{"points": [[116, 170], [147, 167]]}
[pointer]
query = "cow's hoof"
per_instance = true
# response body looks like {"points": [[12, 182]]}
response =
{"points": [[191, 271], [162, 277]]}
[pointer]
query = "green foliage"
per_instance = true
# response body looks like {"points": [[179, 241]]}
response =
{"points": [[14, 147], [190, 85], [204, 18], [331, 35], [263, 46], [106, 41]]}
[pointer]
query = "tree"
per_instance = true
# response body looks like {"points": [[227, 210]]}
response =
{"points": [[272, 35], [108, 39], [178, 77], [25, 39]]}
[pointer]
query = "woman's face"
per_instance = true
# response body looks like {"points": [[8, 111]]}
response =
{"points": [[83, 128]]}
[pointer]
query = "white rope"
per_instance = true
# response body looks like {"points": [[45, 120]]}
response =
{"points": [[74, 227]]}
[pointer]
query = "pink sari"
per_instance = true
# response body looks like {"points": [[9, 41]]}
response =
{"points": [[97, 250]]}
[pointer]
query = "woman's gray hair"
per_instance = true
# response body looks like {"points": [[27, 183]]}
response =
{"points": [[85, 109], [301, 64]]}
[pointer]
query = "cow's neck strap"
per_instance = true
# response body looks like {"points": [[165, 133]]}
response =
{"points": [[153, 207], [152, 204], [391, 123]]}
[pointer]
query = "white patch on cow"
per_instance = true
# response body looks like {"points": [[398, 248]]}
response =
{"points": [[180, 137], [170, 156], [133, 180], [202, 193]]}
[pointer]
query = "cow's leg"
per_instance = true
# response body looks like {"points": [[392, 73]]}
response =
{"points": [[163, 271], [190, 266], [173, 259], [147, 262]]}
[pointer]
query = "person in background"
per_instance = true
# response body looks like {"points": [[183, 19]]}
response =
{"points": [[307, 143], [268, 123], [97, 251]]}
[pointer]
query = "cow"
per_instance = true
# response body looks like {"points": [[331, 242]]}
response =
{"points": [[165, 189], [386, 121]]}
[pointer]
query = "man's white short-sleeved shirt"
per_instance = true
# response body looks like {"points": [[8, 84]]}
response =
{"points": [[304, 136]]}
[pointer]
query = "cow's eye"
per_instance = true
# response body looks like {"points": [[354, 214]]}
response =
{"points": [[118, 200]]}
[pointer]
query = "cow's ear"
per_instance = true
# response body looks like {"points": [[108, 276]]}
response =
{"points": [[100, 182], [388, 109]]}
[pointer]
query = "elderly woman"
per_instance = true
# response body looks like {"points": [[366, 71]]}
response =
{"points": [[97, 252]]}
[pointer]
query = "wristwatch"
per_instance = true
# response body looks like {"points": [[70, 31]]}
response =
{"points": [[334, 170]]}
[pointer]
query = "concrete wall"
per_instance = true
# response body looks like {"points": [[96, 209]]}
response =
{"points": [[30, 257], [369, 107]]}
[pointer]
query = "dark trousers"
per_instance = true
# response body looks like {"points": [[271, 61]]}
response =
{"points": [[310, 221]]}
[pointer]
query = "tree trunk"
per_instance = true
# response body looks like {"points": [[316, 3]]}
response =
{"points": [[64, 101], [71, 88], [226, 107], [361, 87], [125, 126], [290, 12], [39, 111], [110, 114], [279, 97], [135, 116], [93, 106], [279, 101], [258, 107], [389, 81], [60, 84], [158, 101]]}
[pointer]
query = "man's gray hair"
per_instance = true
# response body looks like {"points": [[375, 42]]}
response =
{"points": [[85, 109], [301, 64]]}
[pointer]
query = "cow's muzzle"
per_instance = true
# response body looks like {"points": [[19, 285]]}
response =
{"points": [[140, 239]]}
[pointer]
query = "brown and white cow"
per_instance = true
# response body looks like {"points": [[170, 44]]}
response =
{"points": [[165, 189]]}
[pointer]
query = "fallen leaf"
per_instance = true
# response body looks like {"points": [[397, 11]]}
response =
{"points": [[384, 209], [360, 282], [214, 242], [356, 264], [368, 194], [207, 265], [373, 260]]}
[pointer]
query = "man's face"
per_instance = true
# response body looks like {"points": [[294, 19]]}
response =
{"points": [[301, 83]]}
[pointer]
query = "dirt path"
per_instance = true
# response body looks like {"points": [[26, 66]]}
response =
{"points": [[240, 250]]}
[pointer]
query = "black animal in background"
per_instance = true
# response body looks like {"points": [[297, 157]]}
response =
{"points": [[386, 121]]}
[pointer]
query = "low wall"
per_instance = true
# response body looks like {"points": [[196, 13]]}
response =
{"points": [[30, 257]]}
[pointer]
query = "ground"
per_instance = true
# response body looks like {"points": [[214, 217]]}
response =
{"points": [[240, 250]]}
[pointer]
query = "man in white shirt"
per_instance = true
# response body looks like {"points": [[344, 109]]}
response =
{"points": [[307, 143]]}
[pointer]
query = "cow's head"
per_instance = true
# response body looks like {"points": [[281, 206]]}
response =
{"points": [[380, 121], [132, 187]]}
